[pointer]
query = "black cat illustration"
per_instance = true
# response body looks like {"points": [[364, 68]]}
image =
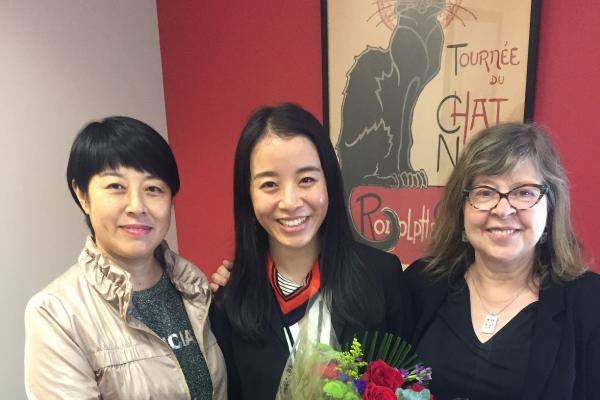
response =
{"points": [[381, 92]]}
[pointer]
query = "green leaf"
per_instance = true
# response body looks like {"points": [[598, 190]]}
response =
{"points": [[391, 348], [372, 346]]}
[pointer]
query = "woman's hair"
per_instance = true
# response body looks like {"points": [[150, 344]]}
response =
{"points": [[496, 151], [119, 142], [346, 283]]}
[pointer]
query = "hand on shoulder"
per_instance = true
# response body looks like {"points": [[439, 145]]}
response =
{"points": [[221, 276]]}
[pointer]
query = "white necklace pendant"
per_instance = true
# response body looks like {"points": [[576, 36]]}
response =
{"points": [[489, 324]]}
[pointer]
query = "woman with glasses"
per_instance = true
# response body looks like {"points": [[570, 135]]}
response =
{"points": [[503, 301]]}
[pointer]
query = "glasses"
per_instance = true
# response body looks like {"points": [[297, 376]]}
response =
{"points": [[486, 198]]}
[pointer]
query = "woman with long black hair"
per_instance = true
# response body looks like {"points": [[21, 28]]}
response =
{"points": [[293, 241]]}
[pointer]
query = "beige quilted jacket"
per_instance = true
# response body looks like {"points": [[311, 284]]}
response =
{"points": [[81, 343]]}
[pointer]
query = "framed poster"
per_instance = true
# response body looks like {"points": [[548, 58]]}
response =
{"points": [[406, 84]]}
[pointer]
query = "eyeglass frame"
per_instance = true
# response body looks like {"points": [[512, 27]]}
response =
{"points": [[544, 189]]}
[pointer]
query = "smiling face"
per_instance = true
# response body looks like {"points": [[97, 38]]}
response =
{"points": [[288, 191], [504, 235], [130, 212]]}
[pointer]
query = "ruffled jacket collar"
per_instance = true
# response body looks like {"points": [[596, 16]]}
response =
{"points": [[113, 283]]}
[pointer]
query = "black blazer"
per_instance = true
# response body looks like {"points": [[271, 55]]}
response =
{"points": [[254, 369], [564, 361]]}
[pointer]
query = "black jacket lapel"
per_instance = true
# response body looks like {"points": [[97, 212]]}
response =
{"points": [[546, 341], [275, 323], [426, 301]]}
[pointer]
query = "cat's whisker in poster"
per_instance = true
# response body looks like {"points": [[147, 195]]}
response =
{"points": [[462, 9], [378, 12]]}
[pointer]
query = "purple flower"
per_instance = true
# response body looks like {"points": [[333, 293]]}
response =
{"points": [[360, 385], [424, 374], [343, 377], [403, 372]]}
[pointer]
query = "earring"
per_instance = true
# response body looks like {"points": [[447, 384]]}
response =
{"points": [[464, 237], [544, 237]]}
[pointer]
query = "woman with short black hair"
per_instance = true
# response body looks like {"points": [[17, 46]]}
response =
{"points": [[129, 319]]}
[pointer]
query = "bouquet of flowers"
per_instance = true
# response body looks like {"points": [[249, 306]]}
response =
{"points": [[385, 370], [350, 377]]}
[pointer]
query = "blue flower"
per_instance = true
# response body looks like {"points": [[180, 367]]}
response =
{"points": [[408, 394], [360, 385]]}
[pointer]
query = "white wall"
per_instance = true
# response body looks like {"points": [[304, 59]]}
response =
{"points": [[62, 64]]}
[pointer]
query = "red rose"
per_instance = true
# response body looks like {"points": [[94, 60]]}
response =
{"points": [[375, 392], [380, 373], [329, 372], [417, 387]]}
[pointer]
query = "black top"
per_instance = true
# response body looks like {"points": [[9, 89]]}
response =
{"points": [[564, 356], [254, 368], [465, 368], [161, 309]]}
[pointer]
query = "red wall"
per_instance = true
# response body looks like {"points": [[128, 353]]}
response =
{"points": [[223, 59], [567, 100]]}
